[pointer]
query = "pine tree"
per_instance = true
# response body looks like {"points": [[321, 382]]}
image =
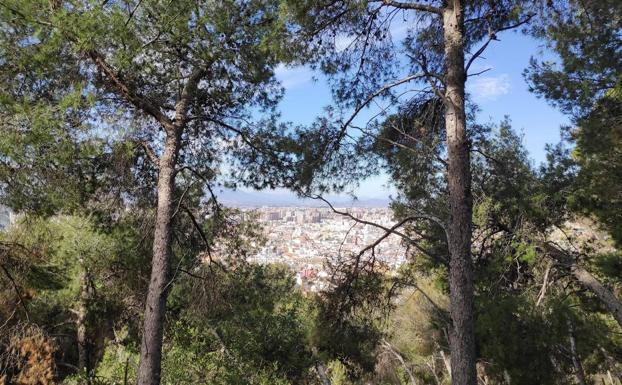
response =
{"points": [[435, 54], [179, 79]]}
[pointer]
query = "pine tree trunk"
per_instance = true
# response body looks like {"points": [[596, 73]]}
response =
{"points": [[604, 294], [585, 278], [461, 336], [151, 346]]}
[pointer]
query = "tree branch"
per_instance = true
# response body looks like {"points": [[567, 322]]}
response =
{"points": [[399, 357], [181, 108], [430, 217], [197, 226], [388, 232], [377, 93], [387, 229], [492, 35], [360, 107], [413, 6], [139, 101], [585, 278], [17, 291], [149, 152]]}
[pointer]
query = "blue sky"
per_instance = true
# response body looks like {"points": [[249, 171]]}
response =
{"points": [[499, 92]]}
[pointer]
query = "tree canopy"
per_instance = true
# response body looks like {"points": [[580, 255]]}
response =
{"points": [[121, 120]]}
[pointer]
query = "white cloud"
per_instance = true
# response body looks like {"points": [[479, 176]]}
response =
{"points": [[489, 88], [291, 77]]}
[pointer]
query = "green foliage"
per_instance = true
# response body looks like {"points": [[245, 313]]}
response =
{"points": [[338, 373], [86, 85], [609, 265], [246, 319], [75, 156], [515, 208], [586, 83], [597, 153], [68, 245], [55, 260], [117, 367], [348, 318], [586, 37], [515, 337]]}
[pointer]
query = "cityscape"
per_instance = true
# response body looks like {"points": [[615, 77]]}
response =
{"points": [[358, 192], [306, 238]]}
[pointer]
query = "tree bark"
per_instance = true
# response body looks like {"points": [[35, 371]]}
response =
{"points": [[461, 336], [585, 278], [605, 295], [151, 347]]}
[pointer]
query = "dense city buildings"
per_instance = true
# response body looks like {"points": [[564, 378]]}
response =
{"points": [[306, 238]]}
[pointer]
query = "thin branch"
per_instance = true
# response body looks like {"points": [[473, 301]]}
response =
{"points": [[492, 35], [545, 284], [377, 93], [203, 178], [343, 241], [487, 156], [403, 146], [9, 318], [129, 17], [388, 232], [438, 307], [430, 76], [17, 291], [191, 274], [480, 72], [429, 217], [181, 199], [244, 136], [399, 357], [197, 226], [386, 229], [481, 50]]}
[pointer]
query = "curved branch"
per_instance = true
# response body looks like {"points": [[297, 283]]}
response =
{"points": [[374, 95], [139, 101], [17, 291], [387, 229], [181, 108], [492, 35]]}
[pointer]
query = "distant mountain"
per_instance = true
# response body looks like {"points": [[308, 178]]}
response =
{"points": [[239, 198]]}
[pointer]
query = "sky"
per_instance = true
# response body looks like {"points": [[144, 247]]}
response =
{"points": [[501, 91]]}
